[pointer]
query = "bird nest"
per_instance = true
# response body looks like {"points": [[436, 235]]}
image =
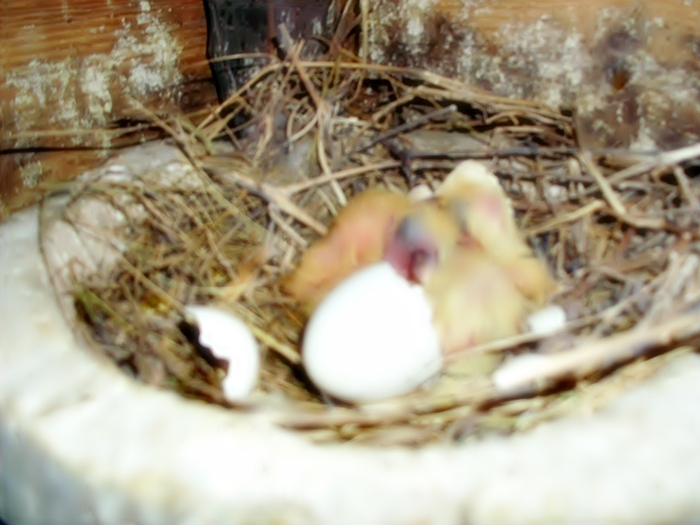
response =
{"points": [[617, 228]]}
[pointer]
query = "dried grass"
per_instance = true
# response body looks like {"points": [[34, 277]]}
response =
{"points": [[618, 228]]}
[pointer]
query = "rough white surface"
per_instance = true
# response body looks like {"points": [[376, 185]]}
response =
{"points": [[82, 444]]}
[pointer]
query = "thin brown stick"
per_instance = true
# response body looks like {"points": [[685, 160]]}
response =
{"points": [[566, 218], [364, 8], [339, 175], [605, 187], [439, 113], [618, 208], [274, 195], [592, 356], [686, 189], [271, 342], [667, 158]]}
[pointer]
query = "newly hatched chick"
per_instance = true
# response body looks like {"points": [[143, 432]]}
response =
{"points": [[474, 298], [464, 247], [476, 199], [357, 238]]}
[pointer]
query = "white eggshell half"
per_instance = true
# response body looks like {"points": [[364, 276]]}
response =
{"points": [[229, 338], [372, 337]]}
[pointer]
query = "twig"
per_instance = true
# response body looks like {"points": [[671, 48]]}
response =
{"points": [[324, 124], [152, 287], [238, 94], [286, 228], [391, 106], [178, 135], [278, 197], [364, 8], [605, 187], [282, 349], [488, 153], [575, 215], [407, 126], [619, 210], [666, 158], [338, 175], [272, 194], [538, 371], [686, 189]]}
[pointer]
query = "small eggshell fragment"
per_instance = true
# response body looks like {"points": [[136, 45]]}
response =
{"points": [[547, 320], [420, 193], [372, 337], [227, 337]]}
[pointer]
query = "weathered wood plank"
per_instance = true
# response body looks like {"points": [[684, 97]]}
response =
{"points": [[69, 67]]}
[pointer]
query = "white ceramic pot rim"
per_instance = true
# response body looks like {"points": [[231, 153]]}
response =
{"points": [[81, 443]]}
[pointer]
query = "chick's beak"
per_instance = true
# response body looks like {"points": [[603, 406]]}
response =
{"points": [[412, 251]]}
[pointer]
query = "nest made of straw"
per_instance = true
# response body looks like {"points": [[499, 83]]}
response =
{"points": [[618, 228]]}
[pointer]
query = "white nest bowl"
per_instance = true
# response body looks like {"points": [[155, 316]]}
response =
{"points": [[80, 443]]}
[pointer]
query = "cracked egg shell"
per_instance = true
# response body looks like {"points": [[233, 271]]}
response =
{"points": [[229, 339]]}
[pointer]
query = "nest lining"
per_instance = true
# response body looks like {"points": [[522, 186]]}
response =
{"points": [[618, 228]]}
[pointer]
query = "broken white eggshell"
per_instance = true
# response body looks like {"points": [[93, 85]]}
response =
{"points": [[420, 193], [372, 337], [227, 337], [546, 320]]}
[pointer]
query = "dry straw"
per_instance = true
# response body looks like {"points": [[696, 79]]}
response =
{"points": [[618, 229]]}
